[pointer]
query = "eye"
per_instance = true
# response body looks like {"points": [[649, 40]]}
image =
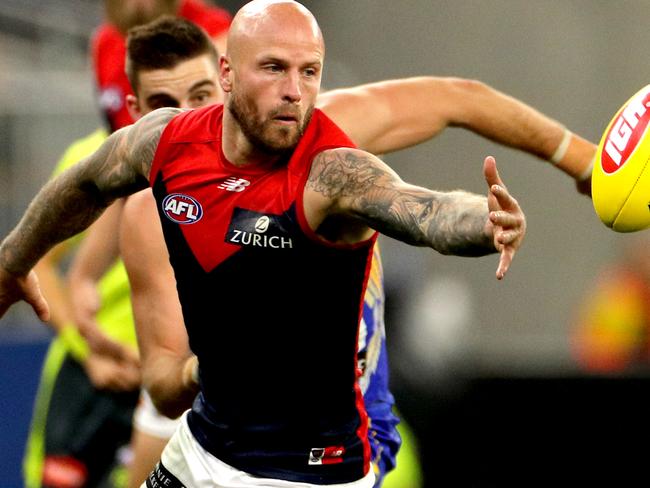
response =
{"points": [[200, 97], [161, 101], [273, 68], [310, 72]]}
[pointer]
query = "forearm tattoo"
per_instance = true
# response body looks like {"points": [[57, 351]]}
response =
{"points": [[449, 222], [70, 203]]}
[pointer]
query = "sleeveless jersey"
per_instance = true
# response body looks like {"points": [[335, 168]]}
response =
{"points": [[272, 310]]}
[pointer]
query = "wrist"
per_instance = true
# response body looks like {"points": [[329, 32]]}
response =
{"points": [[191, 372], [574, 156], [74, 343]]}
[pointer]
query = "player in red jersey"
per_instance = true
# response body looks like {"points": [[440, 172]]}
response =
{"points": [[108, 45], [271, 77]]}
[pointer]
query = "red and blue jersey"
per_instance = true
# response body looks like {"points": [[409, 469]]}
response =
{"points": [[271, 308]]}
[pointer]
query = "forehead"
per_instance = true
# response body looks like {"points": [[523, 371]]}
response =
{"points": [[179, 78], [285, 46], [287, 35]]}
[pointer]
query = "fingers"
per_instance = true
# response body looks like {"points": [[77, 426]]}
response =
{"points": [[504, 199], [108, 374], [504, 262], [40, 306], [505, 219], [491, 173], [584, 186], [35, 298]]}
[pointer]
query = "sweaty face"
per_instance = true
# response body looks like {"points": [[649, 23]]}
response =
{"points": [[275, 78], [190, 84]]}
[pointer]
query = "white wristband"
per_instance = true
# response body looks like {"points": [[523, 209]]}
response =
{"points": [[586, 173], [561, 150]]}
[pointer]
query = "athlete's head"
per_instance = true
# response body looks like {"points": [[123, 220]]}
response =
{"points": [[171, 62], [125, 14], [271, 73]]}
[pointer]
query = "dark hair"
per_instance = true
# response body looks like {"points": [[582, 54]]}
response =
{"points": [[163, 44]]}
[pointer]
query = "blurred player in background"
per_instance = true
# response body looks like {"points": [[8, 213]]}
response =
{"points": [[81, 421], [109, 45], [612, 330]]}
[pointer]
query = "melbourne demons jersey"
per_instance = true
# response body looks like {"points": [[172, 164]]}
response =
{"points": [[271, 309]]}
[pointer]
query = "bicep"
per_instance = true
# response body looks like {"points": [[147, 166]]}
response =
{"points": [[157, 311], [390, 115], [122, 164]]}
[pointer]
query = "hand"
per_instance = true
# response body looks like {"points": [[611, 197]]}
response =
{"points": [[584, 186], [102, 345], [86, 302], [107, 373], [15, 288], [507, 218], [191, 372]]}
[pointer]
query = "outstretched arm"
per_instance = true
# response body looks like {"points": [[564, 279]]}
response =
{"points": [[72, 201], [390, 115], [168, 367], [356, 185]]}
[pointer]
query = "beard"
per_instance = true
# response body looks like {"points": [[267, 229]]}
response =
{"points": [[124, 18], [262, 133]]}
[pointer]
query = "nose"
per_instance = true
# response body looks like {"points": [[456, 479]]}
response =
{"points": [[291, 88]]}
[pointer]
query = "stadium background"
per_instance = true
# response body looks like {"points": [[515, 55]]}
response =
{"points": [[486, 371]]}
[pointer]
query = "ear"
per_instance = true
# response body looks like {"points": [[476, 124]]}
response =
{"points": [[133, 106], [225, 74]]}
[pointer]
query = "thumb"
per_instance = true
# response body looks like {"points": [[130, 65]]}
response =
{"points": [[491, 173], [35, 298]]}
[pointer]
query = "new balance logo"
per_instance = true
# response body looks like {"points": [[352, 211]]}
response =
{"points": [[234, 184], [326, 455]]}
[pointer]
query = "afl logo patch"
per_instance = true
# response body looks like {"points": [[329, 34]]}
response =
{"points": [[182, 209]]}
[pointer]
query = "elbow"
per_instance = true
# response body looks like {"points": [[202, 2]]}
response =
{"points": [[167, 391], [465, 95], [167, 405]]}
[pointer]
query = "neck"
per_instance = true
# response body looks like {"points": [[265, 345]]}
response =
{"points": [[238, 149]]}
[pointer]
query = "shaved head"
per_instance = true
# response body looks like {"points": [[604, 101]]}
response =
{"points": [[261, 19], [271, 73]]}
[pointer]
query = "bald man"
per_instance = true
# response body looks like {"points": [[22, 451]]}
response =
{"points": [[268, 212]]}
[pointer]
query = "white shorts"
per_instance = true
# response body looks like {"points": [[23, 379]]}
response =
{"points": [[148, 420], [194, 467]]}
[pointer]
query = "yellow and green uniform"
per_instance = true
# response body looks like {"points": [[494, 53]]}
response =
{"points": [[116, 321]]}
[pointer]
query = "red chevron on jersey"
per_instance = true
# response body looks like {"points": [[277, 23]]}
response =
{"points": [[203, 175]]}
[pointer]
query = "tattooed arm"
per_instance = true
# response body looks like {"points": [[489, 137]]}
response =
{"points": [[71, 202], [348, 185]]}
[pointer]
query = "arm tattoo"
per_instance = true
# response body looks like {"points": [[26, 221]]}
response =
{"points": [[360, 184], [70, 203]]}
